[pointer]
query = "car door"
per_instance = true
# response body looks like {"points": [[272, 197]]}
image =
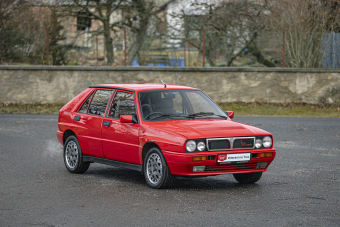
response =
{"points": [[89, 121], [120, 140]]}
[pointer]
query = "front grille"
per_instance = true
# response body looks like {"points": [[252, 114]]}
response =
{"points": [[231, 167], [243, 143], [230, 143], [218, 144]]}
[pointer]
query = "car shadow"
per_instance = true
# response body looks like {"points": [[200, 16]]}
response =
{"points": [[126, 176]]}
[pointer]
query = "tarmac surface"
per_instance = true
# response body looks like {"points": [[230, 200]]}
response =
{"points": [[300, 188]]}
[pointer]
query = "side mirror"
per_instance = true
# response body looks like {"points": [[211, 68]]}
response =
{"points": [[230, 114], [128, 119]]}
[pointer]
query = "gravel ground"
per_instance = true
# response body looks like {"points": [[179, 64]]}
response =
{"points": [[300, 188]]}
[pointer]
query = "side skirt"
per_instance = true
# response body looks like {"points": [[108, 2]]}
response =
{"points": [[112, 163]]}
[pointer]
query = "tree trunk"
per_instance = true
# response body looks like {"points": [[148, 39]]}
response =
{"points": [[108, 43], [259, 57], [136, 46]]}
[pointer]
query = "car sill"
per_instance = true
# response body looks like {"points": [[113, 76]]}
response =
{"points": [[112, 163]]}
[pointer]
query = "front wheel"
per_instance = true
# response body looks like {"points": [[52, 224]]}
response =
{"points": [[156, 170], [73, 157], [247, 178]]}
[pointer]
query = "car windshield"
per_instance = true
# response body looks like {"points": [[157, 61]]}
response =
{"points": [[169, 104]]}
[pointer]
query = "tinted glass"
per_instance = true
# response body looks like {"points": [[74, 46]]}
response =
{"points": [[99, 102], [123, 104], [83, 108]]}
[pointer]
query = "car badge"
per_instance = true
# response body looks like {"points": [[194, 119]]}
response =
{"points": [[222, 158]]}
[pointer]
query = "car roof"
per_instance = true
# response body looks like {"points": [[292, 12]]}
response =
{"points": [[142, 86]]}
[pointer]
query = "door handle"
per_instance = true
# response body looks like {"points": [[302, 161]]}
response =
{"points": [[107, 123], [77, 118]]}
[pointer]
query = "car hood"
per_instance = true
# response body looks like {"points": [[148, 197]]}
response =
{"points": [[208, 128]]}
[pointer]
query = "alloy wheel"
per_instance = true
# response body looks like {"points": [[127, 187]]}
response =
{"points": [[71, 155], [154, 168]]}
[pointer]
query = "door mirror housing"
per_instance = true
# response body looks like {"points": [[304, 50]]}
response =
{"points": [[230, 114], [128, 119]]}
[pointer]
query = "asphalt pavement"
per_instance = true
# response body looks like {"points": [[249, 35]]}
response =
{"points": [[300, 188]]}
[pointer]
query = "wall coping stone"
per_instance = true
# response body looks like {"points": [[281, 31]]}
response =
{"points": [[167, 69]]}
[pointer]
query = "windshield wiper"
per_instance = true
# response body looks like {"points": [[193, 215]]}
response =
{"points": [[167, 115], [205, 113]]}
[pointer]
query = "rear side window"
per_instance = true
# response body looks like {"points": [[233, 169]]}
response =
{"points": [[83, 108], [123, 104], [99, 102]]}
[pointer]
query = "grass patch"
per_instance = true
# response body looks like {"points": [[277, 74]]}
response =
{"points": [[282, 110], [30, 108], [240, 109]]}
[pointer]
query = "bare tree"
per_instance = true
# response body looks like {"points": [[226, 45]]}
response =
{"points": [[114, 15], [20, 22], [309, 25], [231, 26], [102, 11]]}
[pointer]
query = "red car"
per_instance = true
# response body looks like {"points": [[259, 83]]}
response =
{"points": [[162, 131]]}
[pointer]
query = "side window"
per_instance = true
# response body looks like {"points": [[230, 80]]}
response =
{"points": [[99, 102], [83, 108], [123, 104]]}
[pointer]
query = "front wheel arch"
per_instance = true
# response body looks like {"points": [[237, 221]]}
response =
{"points": [[147, 147]]}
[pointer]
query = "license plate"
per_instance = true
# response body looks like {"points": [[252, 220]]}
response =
{"points": [[228, 158]]}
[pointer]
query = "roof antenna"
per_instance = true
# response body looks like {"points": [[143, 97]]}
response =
{"points": [[163, 83]]}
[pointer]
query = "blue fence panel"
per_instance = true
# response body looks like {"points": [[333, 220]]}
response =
{"points": [[174, 62], [331, 42]]}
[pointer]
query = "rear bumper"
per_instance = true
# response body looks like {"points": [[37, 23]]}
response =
{"points": [[182, 164], [60, 136]]}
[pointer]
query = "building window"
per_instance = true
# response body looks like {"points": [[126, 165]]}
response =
{"points": [[83, 21]]}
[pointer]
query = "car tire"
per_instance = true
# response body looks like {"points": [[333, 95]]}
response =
{"points": [[156, 171], [248, 178], [73, 157]]}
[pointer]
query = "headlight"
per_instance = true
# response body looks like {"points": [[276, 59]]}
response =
{"points": [[190, 146], [200, 146], [258, 143], [267, 142]]}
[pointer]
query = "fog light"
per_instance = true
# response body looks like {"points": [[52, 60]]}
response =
{"points": [[199, 158], [198, 169], [266, 154], [261, 165]]}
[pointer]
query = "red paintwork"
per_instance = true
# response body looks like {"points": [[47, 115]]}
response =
{"points": [[125, 118], [230, 114], [124, 141]]}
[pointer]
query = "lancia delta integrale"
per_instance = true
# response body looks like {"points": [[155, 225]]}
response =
{"points": [[162, 131]]}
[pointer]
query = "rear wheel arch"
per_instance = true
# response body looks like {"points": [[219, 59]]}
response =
{"points": [[67, 134]]}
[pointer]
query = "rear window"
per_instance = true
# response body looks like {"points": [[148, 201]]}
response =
{"points": [[83, 108]]}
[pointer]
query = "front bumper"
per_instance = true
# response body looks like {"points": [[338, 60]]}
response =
{"points": [[182, 164]]}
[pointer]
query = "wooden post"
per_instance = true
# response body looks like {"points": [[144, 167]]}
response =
{"points": [[184, 52], [284, 49], [188, 54], [124, 46], [47, 54], [97, 47], [104, 48], [203, 47]]}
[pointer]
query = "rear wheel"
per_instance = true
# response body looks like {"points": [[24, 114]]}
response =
{"points": [[73, 157], [156, 170], [248, 178]]}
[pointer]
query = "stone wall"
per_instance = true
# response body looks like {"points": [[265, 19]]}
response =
{"points": [[50, 84]]}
